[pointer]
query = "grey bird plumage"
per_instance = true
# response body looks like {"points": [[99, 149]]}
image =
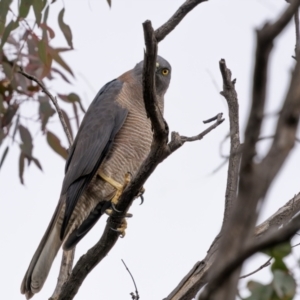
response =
{"points": [[115, 138]]}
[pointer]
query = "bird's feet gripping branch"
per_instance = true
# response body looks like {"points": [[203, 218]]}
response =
{"points": [[119, 190]]}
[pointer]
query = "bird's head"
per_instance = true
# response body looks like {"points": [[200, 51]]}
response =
{"points": [[162, 74]]}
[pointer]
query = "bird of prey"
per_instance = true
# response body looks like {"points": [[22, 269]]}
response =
{"points": [[113, 140]]}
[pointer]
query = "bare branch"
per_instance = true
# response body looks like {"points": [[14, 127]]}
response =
{"points": [[265, 38], [182, 11], [266, 264], [136, 295], [230, 95], [268, 241], [54, 101], [198, 275], [211, 119], [256, 179], [283, 215], [219, 120]]}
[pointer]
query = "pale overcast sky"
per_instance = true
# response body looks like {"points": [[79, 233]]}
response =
{"points": [[184, 202]]}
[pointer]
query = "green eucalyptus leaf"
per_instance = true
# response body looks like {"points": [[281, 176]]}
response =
{"points": [[24, 8], [4, 7], [26, 138], [55, 144], [66, 30], [4, 156], [45, 111], [12, 25], [21, 166], [259, 291], [284, 284], [38, 6]]}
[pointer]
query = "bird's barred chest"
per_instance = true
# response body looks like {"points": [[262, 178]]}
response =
{"points": [[130, 148]]}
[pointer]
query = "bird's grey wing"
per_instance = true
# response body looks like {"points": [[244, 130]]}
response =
{"points": [[94, 139]]}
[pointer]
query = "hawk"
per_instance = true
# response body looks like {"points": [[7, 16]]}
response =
{"points": [[113, 140]]}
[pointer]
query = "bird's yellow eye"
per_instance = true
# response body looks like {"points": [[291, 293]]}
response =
{"points": [[165, 72]]}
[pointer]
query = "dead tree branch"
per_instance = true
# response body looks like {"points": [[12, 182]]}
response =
{"points": [[255, 179], [170, 25], [268, 241], [197, 276], [266, 264], [230, 95], [135, 296]]}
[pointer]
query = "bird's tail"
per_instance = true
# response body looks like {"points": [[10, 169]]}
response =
{"points": [[42, 260]]}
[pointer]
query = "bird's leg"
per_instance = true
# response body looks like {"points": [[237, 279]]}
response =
{"points": [[119, 190]]}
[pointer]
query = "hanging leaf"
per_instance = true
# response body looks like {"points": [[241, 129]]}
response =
{"points": [[12, 25], [46, 13], [9, 73], [259, 291], [61, 74], [9, 114], [49, 29], [4, 156], [55, 144], [16, 127], [55, 55], [26, 138], [37, 163], [66, 30], [24, 8], [109, 3], [42, 49], [279, 251], [45, 111], [284, 285], [2, 135], [67, 120], [4, 6], [38, 6], [47, 67], [21, 166], [72, 98], [2, 108]]}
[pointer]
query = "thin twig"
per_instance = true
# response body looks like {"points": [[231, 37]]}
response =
{"points": [[136, 295], [211, 119], [219, 120], [297, 32], [220, 166], [54, 101], [266, 264]]}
